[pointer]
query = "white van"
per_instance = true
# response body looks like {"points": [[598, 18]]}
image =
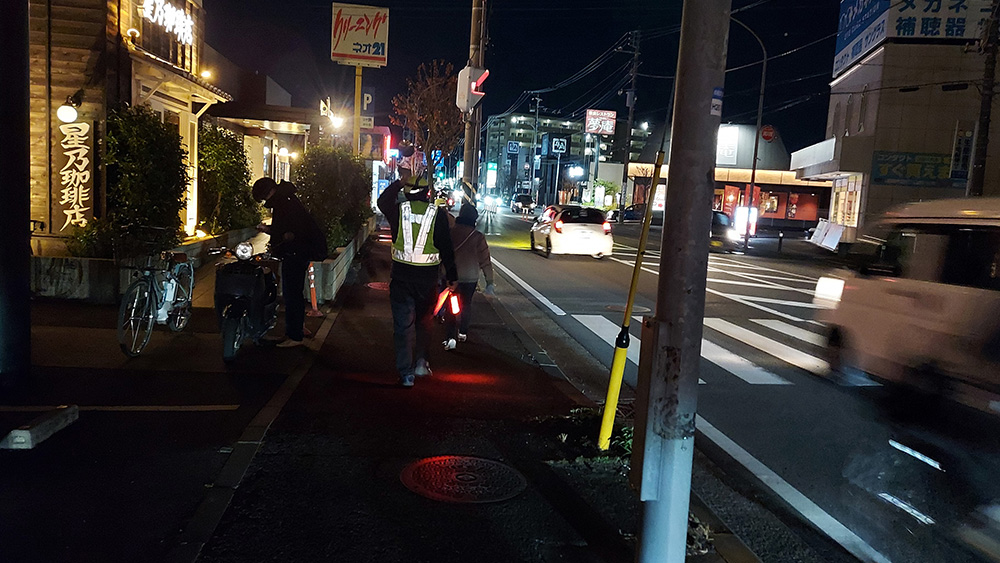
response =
{"points": [[922, 306]]}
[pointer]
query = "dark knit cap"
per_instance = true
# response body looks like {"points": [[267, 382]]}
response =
{"points": [[467, 215]]}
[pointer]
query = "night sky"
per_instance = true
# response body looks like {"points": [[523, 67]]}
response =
{"points": [[534, 44]]}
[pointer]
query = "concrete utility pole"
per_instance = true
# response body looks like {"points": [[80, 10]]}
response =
{"points": [[15, 208], [977, 175], [630, 102], [470, 170], [663, 449]]}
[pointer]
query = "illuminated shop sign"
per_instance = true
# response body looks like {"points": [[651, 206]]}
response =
{"points": [[172, 19], [76, 174]]}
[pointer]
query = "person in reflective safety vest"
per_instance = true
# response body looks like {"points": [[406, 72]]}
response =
{"points": [[421, 244]]}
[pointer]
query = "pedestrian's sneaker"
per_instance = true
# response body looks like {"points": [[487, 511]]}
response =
{"points": [[462, 337], [406, 380], [422, 369], [450, 344]]}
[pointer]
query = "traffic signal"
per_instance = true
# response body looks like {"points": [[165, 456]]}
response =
{"points": [[470, 81]]}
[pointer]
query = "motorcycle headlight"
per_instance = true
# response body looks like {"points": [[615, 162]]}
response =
{"points": [[244, 251], [733, 234]]}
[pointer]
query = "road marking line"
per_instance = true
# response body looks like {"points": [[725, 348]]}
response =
{"points": [[793, 331], [750, 284], [127, 408], [739, 264], [798, 501], [772, 301], [730, 296], [767, 284], [524, 285], [785, 353]]}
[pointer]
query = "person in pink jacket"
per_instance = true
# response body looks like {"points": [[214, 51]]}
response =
{"points": [[472, 254]]}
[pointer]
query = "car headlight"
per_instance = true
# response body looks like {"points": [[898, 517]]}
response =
{"points": [[488, 200], [244, 251], [828, 292], [733, 234]]}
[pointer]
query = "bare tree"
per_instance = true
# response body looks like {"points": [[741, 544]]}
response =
{"points": [[642, 178], [428, 109]]}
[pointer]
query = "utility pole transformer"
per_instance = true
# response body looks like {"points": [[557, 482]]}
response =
{"points": [[15, 209], [666, 404], [630, 102], [474, 119], [977, 176]]}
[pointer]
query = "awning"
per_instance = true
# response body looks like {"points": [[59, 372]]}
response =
{"points": [[172, 80], [834, 158]]}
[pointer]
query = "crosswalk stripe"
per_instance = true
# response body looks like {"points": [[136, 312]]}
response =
{"points": [[793, 331], [772, 301], [785, 353], [608, 332], [736, 365], [739, 366]]}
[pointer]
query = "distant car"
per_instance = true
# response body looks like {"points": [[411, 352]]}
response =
{"points": [[724, 237], [572, 229], [522, 204], [637, 212]]}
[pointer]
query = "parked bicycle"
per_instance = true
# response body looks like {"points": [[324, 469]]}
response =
{"points": [[159, 294]]}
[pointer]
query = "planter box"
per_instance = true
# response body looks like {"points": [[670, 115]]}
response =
{"points": [[331, 274], [100, 280]]}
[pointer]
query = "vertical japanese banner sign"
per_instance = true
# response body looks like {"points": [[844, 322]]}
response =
{"points": [[360, 35], [76, 175]]}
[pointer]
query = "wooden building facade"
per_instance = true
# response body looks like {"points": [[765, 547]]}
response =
{"points": [[89, 56]]}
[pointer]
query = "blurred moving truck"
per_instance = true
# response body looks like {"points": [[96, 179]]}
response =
{"points": [[920, 305]]}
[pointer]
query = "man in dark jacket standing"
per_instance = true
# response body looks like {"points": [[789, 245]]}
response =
{"points": [[421, 243], [297, 240], [472, 254]]}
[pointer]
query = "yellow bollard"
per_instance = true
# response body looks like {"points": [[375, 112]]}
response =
{"points": [[621, 344]]}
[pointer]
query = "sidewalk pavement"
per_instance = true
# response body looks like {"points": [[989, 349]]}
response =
{"points": [[301, 454]]}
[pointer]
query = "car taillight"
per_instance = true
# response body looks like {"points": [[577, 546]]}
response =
{"points": [[559, 225], [607, 228]]}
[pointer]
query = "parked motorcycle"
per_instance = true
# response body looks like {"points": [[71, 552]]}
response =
{"points": [[246, 296]]}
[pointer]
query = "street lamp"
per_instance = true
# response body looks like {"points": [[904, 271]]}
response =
{"points": [[756, 138], [336, 121]]}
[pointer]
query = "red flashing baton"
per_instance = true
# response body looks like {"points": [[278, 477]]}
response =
{"points": [[442, 297], [456, 307]]}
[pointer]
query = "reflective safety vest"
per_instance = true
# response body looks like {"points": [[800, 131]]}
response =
{"points": [[414, 242]]}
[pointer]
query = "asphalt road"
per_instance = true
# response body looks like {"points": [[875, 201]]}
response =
{"points": [[841, 455]]}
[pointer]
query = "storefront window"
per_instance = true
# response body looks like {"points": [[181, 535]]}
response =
{"points": [[846, 200]]}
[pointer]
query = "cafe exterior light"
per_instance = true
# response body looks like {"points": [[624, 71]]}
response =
{"points": [[206, 74], [66, 113], [576, 171], [283, 151], [336, 121]]}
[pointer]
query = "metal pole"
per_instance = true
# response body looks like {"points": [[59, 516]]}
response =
{"points": [[15, 210], [756, 138], [664, 431], [630, 101], [357, 110], [977, 175], [555, 187], [534, 149], [473, 121]]}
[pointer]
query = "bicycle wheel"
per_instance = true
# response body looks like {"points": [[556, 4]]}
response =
{"points": [[135, 318], [181, 312]]}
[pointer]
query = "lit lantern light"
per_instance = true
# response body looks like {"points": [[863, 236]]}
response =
{"points": [[336, 121], [206, 74], [67, 112], [283, 151]]}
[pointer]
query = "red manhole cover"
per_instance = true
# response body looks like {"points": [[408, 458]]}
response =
{"points": [[380, 286], [455, 478]]}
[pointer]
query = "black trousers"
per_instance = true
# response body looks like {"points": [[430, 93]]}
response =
{"points": [[293, 283]]}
